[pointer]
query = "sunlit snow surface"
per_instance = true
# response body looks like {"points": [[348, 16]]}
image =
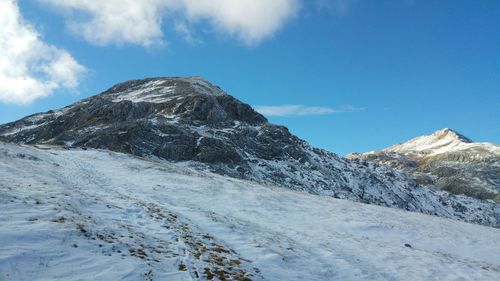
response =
{"points": [[97, 215]]}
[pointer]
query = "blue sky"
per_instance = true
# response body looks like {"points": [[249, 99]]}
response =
{"points": [[349, 75]]}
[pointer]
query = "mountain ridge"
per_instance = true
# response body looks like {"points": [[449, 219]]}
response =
{"points": [[195, 123]]}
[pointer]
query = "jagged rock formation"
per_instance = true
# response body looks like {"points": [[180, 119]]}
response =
{"points": [[192, 122], [446, 160]]}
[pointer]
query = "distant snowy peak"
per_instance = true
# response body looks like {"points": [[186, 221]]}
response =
{"points": [[439, 142], [160, 90], [446, 160]]}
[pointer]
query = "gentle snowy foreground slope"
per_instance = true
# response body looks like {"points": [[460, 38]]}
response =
{"points": [[99, 215]]}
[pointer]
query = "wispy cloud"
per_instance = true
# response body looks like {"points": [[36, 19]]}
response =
{"points": [[287, 110], [350, 108], [117, 22], [29, 67], [187, 33]]}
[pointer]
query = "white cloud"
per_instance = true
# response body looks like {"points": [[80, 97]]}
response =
{"points": [[302, 110], [115, 22], [105, 22], [249, 20], [30, 68]]}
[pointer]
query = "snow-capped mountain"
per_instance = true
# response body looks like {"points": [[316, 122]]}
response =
{"points": [[194, 123], [99, 215], [446, 160]]}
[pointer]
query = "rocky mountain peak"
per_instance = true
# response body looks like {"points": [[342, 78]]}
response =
{"points": [[161, 89], [187, 98]]}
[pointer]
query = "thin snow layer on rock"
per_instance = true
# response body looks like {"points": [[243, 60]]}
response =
{"points": [[18, 130], [99, 215], [154, 95], [161, 90], [35, 121]]}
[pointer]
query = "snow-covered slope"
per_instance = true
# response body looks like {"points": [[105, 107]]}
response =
{"points": [[446, 160], [99, 215]]}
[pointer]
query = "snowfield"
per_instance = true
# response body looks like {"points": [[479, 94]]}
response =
{"points": [[99, 215]]}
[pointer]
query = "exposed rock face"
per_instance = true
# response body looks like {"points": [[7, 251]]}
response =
{"points": [[446, 160], [192, 122]]}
